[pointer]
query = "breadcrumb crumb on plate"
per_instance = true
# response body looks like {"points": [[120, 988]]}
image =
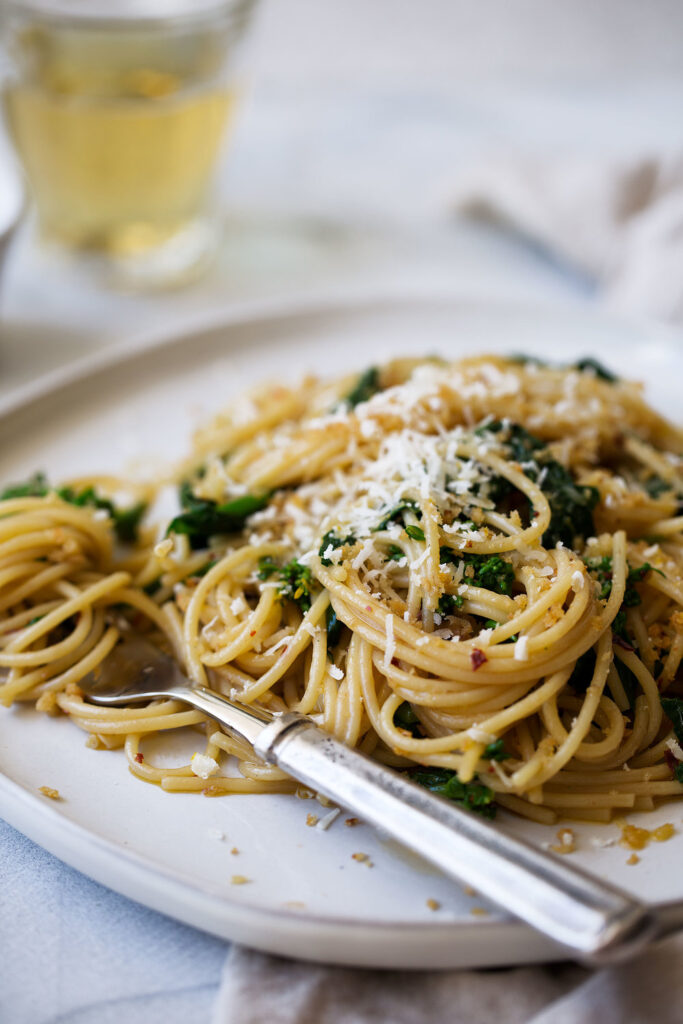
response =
{"points": [[50, 793]]}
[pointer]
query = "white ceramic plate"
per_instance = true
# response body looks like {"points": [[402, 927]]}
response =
{"points": [[307, 897]]}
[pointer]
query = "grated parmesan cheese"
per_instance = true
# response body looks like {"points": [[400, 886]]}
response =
{"points": [[203, 766], [675, 748], [522, 649], [328, 819], [578, 579], [391, 643]]}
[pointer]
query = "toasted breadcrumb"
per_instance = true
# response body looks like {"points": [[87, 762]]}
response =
{"points": [[47, 702], [52, 794], [239, 880], [433, 904], [362, 858], [479, 912], [311, 820], [567, 841], [351, 822], [633, 859]]}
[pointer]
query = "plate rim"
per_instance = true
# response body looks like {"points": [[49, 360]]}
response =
{"points": [[191, 902], [335, 302]]}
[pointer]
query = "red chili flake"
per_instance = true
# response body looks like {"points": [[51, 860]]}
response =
{"points": [[620, 642], [368, 608], [253, 632], [139, 758], [477, 659]]}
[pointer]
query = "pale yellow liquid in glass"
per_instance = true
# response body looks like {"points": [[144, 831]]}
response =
{"points": [[118, 158]]}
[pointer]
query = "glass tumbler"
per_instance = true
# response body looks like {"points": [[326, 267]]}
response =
{"points": [[118, 111]]}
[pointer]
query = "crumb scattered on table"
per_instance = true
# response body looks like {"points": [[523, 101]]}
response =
{"points": [[351, 822], [433, 904], [479, 912], [311, 820], [234, 850], [239, 880], [633, 859]]}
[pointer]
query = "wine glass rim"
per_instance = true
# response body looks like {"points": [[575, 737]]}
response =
{"points": [[129, 14]]}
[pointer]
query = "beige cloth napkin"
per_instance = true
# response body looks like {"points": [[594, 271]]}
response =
{"points": [[261, 989], [619, 221]]}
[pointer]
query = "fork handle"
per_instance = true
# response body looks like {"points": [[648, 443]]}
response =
{"points": [[591, 918]]}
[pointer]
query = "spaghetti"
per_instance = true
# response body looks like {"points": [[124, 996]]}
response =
{"points": [[472, 571]]}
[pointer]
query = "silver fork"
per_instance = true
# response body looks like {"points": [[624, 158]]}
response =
{"points": [[589, 917]]}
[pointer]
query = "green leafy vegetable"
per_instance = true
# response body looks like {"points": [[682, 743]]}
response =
{"points": [[673, 709], [295, 581], [35, 487], [601, 569], [492, 573], [489, 571], [334, 627], [571, 504], [394, 553], [332, 540], [492, 624], [526, 360], [448, 603], [125, 520], [397, 512], [474, 796], [495, 751], [589, 365], [655, 486], [415, 532], [267, 567], [586, 365], [295, 584], [366, 386], [405, 718], [202, 519]]}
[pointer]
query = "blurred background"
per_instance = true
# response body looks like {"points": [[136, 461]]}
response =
{"points": [[313, 148]]}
